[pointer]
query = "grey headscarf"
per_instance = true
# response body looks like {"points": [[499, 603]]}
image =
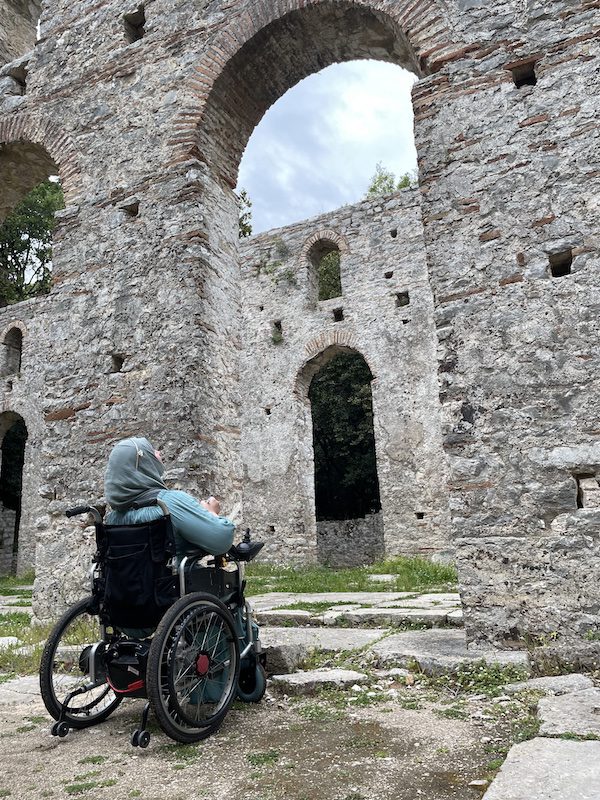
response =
{"points": [[133, 473]]}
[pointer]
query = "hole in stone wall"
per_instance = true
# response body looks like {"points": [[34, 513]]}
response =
{"points": [[277, 331], [388, 275], [131, 206], [560, 263], [588, 490], [420, 514], [13, 345], [271, 528], [11, 479], [524, 74], [117, 362], [261, 308], [338, 314], [134, 23], [268, 411], [394, 233], [402, 299]]}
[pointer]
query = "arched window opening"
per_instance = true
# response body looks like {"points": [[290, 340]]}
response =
{"points": [[13, 346], [324, 260], [11, 480], [346, 483], [31, 196]]}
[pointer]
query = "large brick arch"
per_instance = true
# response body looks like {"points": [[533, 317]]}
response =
{"points": [[319, 351], [31, 148], [221, 95]]}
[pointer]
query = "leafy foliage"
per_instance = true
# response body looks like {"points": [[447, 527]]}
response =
{"points": [[328, 273], [346, 485], [384, 181], [26, 244], [245, 222]]}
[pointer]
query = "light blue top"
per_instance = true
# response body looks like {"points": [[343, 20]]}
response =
{"points": [[194, 527], [134, 473]]}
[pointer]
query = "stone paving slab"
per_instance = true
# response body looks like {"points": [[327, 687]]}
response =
{"points": [[20, 690], [555, 684], [392, 616], [576, 712], [438, 650], [308, 681], [7, 641], [286, 648], [549, 769], [262, 602]]}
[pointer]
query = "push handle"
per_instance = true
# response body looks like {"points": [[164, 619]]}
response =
{"points": [[76, 510]]}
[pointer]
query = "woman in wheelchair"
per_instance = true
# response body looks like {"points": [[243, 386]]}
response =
{"points": [[167, 618]]}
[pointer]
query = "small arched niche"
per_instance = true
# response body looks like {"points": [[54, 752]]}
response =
{"points": [[11, 352], [13, 433]]}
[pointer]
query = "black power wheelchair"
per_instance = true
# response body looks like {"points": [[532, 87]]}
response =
{"points": [[181, 636]]}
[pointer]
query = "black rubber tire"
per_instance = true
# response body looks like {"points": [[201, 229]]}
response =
{"points": [[161, 684], [52, 701], [252, 684]]}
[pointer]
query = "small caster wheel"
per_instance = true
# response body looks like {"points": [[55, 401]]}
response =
{"points": [[143, 739], [62, 729], [54, 729], [135, 738]]}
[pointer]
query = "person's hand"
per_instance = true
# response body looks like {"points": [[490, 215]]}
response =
{"points": [[212, 505]]}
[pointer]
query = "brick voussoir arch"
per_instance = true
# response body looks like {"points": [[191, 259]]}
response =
{"points": [[316, 355], [421, 21], [323, 234], [33, 129]]}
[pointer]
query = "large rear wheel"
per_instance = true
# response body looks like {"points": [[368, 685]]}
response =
{"points": [[193, 667], [65, 666]]}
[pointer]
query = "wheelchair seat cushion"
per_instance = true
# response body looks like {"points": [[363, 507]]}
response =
{"points": [[138, 584]]}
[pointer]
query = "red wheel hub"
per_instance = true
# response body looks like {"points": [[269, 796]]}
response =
{"points": [[202, 664]]}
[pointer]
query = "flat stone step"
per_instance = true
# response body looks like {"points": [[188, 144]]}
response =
{"points": [[576, 712], [310, 681], [262, 602], [438, 651], [287, 648], [548, 769], [356, 616], [552, 684]]}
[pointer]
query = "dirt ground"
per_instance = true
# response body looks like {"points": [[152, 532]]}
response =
{"points": [[310, 749]]}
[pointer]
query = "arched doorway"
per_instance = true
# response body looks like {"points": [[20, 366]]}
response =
{"points": [[14, 437], [346, 485]]}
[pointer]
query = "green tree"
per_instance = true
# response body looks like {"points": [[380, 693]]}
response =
{"points": [[26, 244], [346, 485], [245, 218], [384, 181], [328, 271]]}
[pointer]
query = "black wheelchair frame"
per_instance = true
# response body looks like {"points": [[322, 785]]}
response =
{"points": [[181, 636]]}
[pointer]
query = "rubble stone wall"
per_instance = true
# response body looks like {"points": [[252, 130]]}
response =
{"points": [[350, 542], [147, 133], [381, 259]]}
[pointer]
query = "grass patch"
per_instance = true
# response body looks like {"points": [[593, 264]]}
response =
{"points": [[266, 759], [478, 677], [319, 712], [13, 623], [578, 737], [315, 608], [8, 582], [411, 574], [93, 760], [182, 752]]}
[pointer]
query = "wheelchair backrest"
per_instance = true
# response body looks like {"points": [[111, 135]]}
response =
{"points": [[136, 585]]}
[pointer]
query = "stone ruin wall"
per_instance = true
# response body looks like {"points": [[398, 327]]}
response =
{"points": [[147, 135], [381, 255]]}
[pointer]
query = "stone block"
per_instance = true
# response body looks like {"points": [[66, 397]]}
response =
{"points": [[309, 682], [552, 684], [575, 712], [548, 769]]}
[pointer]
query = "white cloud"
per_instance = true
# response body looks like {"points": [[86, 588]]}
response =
{"points": [[317, 147]]}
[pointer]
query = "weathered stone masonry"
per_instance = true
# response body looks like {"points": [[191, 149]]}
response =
{"points": [[147, 137], [382, 257]]}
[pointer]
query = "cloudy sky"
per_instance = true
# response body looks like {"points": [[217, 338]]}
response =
{"points": [[316, 149]]}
